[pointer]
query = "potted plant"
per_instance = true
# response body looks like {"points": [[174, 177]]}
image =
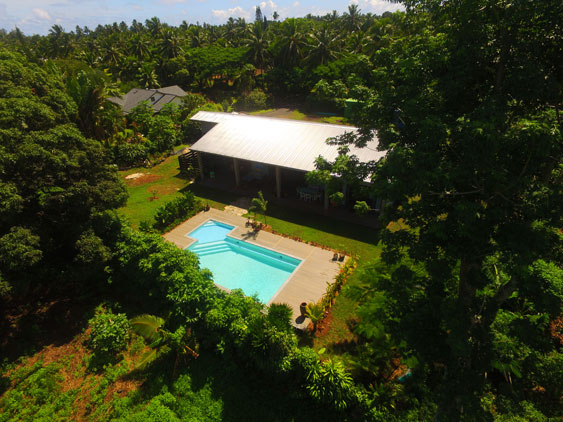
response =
{"points": [[315, 312], [341, 253]]}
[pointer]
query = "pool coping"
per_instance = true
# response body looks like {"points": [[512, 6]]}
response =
{"points": [[234, 228], [307, 283]]}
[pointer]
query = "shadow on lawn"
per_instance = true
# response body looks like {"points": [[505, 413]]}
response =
{"points": [[207, 193], [312, 220], [325, 224]]}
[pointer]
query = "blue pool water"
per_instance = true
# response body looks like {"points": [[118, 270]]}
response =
{"points": [[237, 264]]}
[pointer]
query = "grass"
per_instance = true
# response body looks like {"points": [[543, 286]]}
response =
{"points": [[335, 120], [296, 114], [161, 184], [259, 112]]}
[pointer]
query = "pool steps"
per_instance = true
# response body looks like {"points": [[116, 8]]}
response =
{"points": [[266, 256]]}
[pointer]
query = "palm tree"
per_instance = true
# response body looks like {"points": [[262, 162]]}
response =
{"points": [[197, 36], [154, 26], [352, 18], [358, 41], [136, 26], [291, 42], [162, 341], [259, 206], [140, 46], [257, 43], [89, 91], [169, 45], [324, 46], [60, 43], [147, 75], [112, 53]]}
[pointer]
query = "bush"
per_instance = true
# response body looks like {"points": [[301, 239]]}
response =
{"points": [[256, 100], [330, 384], [176, 210], [130, 154], [109, 334]]}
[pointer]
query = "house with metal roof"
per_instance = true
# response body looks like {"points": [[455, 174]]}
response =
{"points": [[157, 98], [276, 144]]}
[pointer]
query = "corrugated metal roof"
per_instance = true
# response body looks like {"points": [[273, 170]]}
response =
{"points": [[280, 142]]}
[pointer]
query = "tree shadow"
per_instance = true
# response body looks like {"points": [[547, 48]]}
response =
{"points": [[28, 327], [211, 194], [293, 215]]}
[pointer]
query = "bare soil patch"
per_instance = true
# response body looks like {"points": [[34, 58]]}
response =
{"points": [[142, 180]]}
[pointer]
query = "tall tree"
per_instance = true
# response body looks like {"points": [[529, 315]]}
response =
{"points": [[470, 118], [324, 46], [53, 181], [291, 42], [257, 43]]}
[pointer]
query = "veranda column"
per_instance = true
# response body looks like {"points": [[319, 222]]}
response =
{"points": [[200, 164], [326, 198], [237, 172], [278, 182]]}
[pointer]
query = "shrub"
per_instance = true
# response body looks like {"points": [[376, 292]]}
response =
{"points": [[280, 315], [361, 208], [109, 334], [337, 198], [329, 383], [315, 312], [256, 100], [176, 210], [129, 154]]}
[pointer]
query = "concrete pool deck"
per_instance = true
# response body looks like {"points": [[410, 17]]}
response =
{"points": [[307, 283]]}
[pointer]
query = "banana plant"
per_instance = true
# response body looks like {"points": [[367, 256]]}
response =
{"points": [[162, 341]]}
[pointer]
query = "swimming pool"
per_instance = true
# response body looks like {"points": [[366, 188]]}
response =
{"points": [[237, 264]]}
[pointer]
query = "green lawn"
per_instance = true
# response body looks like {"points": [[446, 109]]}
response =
{"points": [[296, 114], [160, 184]]}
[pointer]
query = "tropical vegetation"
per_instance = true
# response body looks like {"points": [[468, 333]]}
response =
{"points": [[459, 318]]}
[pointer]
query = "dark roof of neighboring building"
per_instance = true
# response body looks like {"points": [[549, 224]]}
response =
{"points": [[156, 97]]}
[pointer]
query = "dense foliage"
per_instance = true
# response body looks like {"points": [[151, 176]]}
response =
{"points": [[329, 57], [465, 98], [109, 334], [470, 118], [54, 183]]}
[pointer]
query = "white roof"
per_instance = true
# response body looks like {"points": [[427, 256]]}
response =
{"points": [[280, 142]]}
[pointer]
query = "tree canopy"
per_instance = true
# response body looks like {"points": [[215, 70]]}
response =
{"points": [[53, 180], [470, 118]]}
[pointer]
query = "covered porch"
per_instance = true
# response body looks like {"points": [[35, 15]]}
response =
{"points": [[219, 173]]}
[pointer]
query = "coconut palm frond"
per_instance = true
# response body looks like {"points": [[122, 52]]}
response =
{"points": [[147, 326], [147, 358]]}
